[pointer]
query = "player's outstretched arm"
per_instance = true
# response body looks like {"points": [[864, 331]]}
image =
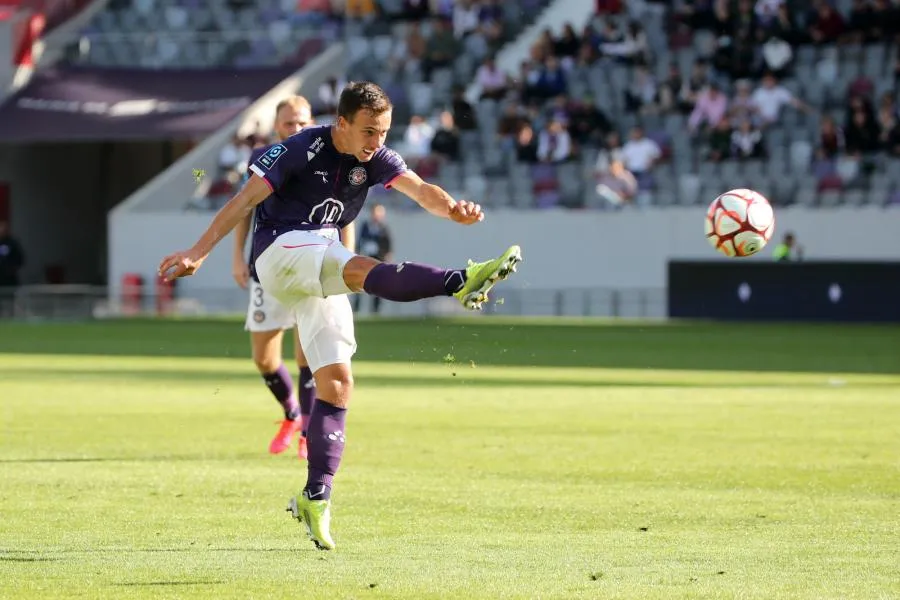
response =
{"points": [[436, 200], [186, 262]]}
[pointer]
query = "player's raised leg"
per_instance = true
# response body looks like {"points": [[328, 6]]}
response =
{"points": [[266, 347], [306, 391], [409, 281]]}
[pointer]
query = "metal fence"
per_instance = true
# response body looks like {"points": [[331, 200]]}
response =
{"points": [[84, 302]]}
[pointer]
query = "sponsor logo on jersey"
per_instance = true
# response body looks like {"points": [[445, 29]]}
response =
{"points": [[259, 316], [314, 148]]}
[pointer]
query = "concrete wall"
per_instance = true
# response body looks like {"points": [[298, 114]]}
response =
{"points": [[561, 249]]}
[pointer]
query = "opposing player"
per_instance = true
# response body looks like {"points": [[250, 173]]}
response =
{"points": [[267, 318], [309, 185]]}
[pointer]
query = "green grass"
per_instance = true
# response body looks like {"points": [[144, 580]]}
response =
{"points": [[485, 459]]}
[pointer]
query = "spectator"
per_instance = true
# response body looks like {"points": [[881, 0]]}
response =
{"points": [[491, 79], [415, 10], [631, 49], [364, 10], [784, 26], [554, 143], [552, 80], [490, 13], [831, 139], [770, 97], [12, 258], [862, 135], [741, 106], [885, 21], [720, 145], [617, 186], [711, 107], [567, 45], [234, 155], [670, 91], [417, 138], [409, 55], [827, 26], [639, 155], [747, 142], [375, 242], [641, 94], [861, 23], [788, 250], [526, 145], [441, 49], [465, 18], [697, 81], [445, 143], [509, 124], [588, 126], [610, 153], [777, 56], [463, 113], [329, 93]]}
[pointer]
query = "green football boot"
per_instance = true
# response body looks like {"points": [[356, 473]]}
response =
{"points": [[482, 276], [316, 515]]}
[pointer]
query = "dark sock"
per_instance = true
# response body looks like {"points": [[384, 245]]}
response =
{"points": [[410, 281], [325, 444], [282, 387], [306, 389]]}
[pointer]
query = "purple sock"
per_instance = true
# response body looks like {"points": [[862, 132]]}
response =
{"points": [[307, 392], [325, 444], [282, 387], [410, 281]]}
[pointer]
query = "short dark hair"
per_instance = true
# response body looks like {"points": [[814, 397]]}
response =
{"points": [[363, 95]]}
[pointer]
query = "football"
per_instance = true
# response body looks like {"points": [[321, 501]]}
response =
{"points": [[739, 223]]}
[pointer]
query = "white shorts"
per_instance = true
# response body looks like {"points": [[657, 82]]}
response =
{"points": [[303, 270], [265, 313]]}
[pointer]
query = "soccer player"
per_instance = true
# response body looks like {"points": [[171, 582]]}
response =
{"points": [[308, 186], [267, 318]]}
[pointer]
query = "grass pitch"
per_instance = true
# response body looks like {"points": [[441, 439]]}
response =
{"points": [[485, 459]]}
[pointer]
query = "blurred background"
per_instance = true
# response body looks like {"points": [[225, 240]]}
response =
{"points": [[595, 133]]}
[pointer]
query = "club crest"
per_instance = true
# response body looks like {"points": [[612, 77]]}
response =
{"points": [[358, 176]]}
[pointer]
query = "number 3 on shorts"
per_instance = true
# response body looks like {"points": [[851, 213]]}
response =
{"points": [[257, 296]]}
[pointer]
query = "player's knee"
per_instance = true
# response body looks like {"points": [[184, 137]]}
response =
{"points": [[266, 364], [357, 269], [334, 384], [266, 352]]}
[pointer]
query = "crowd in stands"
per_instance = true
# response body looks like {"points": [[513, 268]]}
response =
{"points": [[648, 103]]}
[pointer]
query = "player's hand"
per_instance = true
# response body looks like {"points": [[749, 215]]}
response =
{"points": [[466, 213], [240, 270], [180, 264]]}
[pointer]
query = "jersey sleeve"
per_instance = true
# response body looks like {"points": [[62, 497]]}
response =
{"points": [[254, 156], [387, 166], [276, 163]]}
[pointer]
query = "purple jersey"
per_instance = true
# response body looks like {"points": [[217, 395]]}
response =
{"points": [[314, 185]]}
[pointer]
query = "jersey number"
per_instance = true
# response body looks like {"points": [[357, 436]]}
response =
{"points": [[327, 213], [257, 296]]}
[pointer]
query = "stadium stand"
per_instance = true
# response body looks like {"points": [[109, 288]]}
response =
{"points": [[205, 33], [646, 103]]}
